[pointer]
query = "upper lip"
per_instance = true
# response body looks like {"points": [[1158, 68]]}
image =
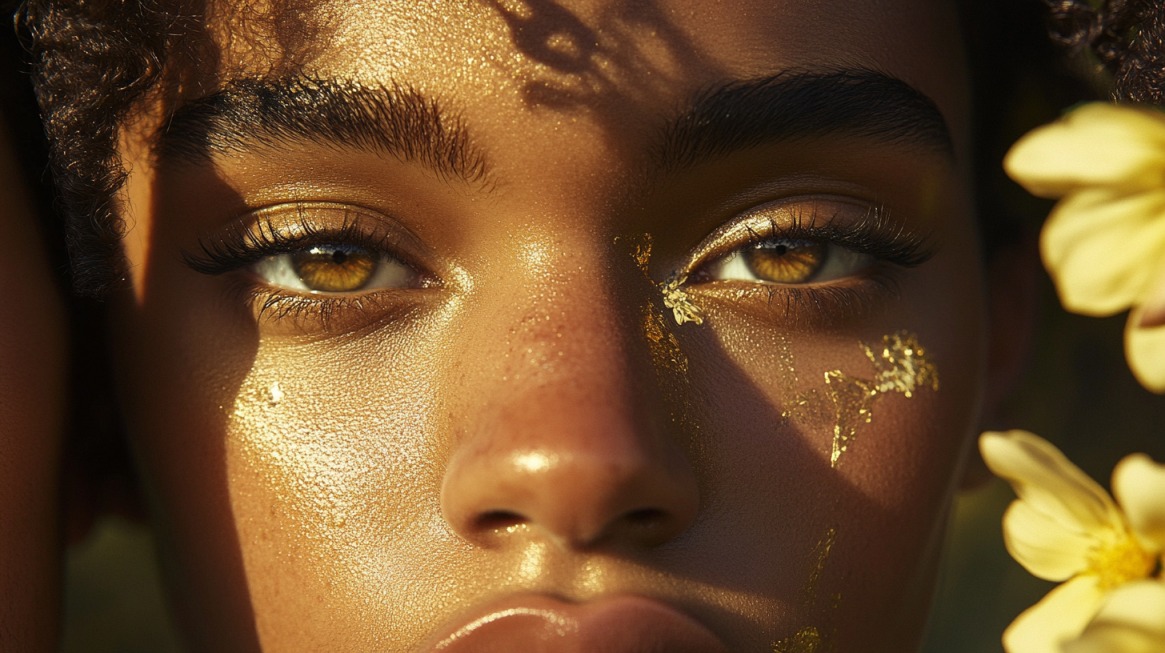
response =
{"points": [[536, 623]]}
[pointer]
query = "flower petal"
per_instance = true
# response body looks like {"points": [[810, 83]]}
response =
{"points": [[1096, 145], [1131, 620], [1046, 547], [1048, 482], [1145, 351], [1139, 486], [1104, 250], [1058, 617]]}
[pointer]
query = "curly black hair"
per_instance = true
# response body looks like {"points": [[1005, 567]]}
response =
{"points": [[1125, 37], [94, 61]]}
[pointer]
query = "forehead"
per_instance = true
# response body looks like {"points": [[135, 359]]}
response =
{"points": [[603, 61]]}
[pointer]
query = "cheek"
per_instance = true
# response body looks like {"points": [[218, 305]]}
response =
{"points": [[334, 479], [289, 475], [819, 443]]}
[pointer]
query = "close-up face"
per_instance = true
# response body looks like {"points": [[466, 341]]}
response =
{"points": [[527, 325]]}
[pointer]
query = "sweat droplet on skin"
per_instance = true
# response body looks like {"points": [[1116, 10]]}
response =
{"points": [[274, 394]]}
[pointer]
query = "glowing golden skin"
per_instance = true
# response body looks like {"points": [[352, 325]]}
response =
{"points": [[328, 484]]}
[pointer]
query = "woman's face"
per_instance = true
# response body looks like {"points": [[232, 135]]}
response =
{"points": [[527, 325]]}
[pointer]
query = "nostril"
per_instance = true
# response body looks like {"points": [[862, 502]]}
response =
{"points": [[497, 520], [645, 526], [645, 517]]}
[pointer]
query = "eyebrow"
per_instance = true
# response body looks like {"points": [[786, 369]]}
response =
{"points": [[740, 115], [395, 120]]}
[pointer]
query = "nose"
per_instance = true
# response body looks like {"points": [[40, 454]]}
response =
{"points": [[573, 442]]}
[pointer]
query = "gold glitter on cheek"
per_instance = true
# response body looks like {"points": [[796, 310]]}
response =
{"points": [[642, 255], [823, 549], [788, 366], [665, 348], [901, 366], [810, 639], [807, 640], [853, 402]]}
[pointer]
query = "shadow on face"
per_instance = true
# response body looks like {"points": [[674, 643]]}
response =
{"points": [[489, 308], [32, 392]]}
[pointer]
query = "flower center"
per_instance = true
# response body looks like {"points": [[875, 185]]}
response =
{"points": [[1119, 560]]}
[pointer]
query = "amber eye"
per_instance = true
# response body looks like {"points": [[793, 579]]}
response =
{"points": [[786, 261], [334, 268]]}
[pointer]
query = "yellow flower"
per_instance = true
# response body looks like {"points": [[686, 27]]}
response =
{"points": [[1065, 527], [1132, 620], [1104, 243]]}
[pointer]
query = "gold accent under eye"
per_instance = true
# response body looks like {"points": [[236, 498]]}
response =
{"points": [[901, 366], [676, 298]]}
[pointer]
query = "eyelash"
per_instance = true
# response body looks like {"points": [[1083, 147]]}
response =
{"points": [[241, 247], [889, 243]]}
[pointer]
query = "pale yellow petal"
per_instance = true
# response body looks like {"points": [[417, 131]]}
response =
{"points": [[1104, 250], [1131, 620], [1096, 145], [1058, 617], [1145, 351], [1139, 486], [1048, 482], [1151, 303], [1048, 548]]}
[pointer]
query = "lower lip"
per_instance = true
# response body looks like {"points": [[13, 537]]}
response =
{"points": [[540, 624]]}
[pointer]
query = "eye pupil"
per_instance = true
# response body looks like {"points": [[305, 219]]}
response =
{"points": [[335, 268], [786, 261]]}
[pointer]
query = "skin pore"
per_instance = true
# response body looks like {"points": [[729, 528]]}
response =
{"points": [[32, 393], [395, 355]]}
